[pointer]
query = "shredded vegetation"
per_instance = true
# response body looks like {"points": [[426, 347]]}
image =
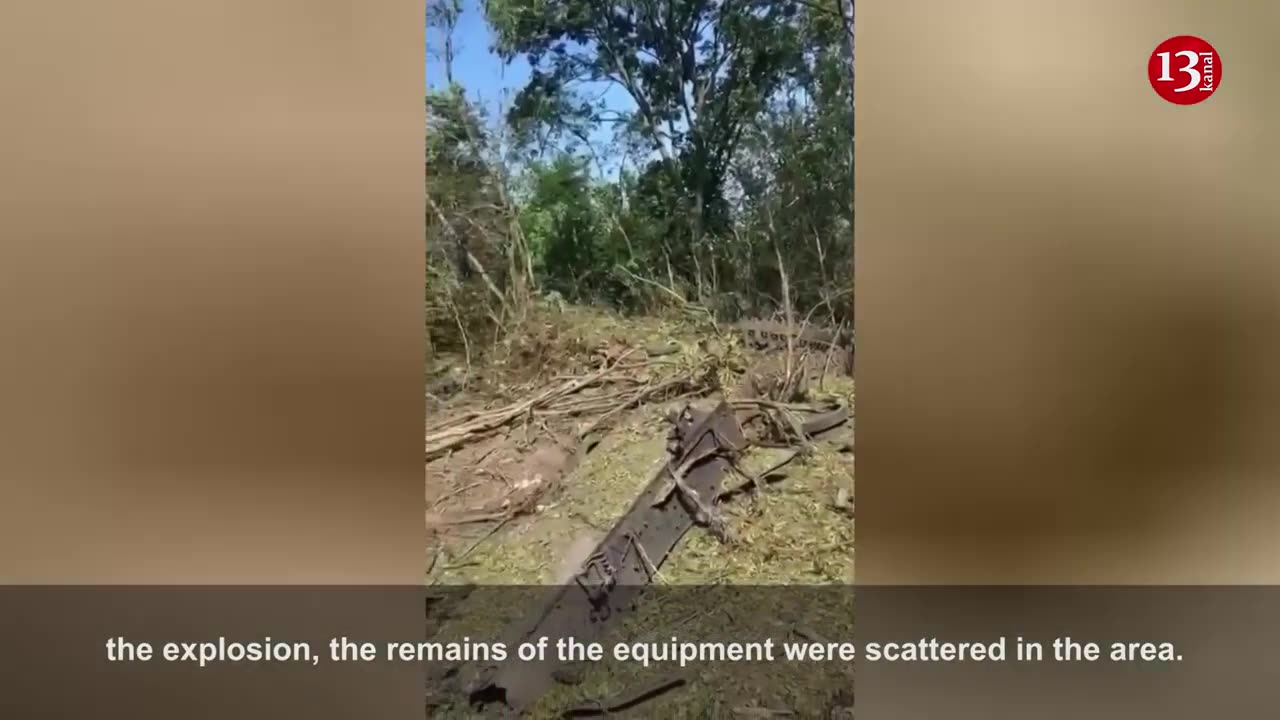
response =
{"points": [[794, 531]]}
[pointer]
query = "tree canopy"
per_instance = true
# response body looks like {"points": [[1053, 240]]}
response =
{"points": [[695, 148]]}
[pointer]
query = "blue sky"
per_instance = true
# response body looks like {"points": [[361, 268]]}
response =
{"points": [[488, 80], [478, 69]]}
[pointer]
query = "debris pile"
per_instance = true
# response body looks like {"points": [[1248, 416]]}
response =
{"points": [[735, 426]]}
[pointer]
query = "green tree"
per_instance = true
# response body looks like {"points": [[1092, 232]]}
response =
{"points": [[733, 163], [697, 72]]}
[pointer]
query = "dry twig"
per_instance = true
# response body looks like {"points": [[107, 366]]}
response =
{"points": [[449, 438]]}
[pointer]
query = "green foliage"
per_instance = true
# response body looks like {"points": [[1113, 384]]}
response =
{"points": [[696, 71], [562, 225], [739, 131]]}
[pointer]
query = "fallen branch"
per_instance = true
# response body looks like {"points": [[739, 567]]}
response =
{"points": [[625, 700], [640, 397], [458, 561], [449, 438], [472, 261], [759, 480], [453, 493]]}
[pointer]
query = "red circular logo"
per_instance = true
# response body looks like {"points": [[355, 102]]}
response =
{"points": [[1185, 70]]}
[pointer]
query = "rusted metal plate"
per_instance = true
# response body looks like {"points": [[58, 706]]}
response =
{"points": [[612, 578], [768, 333], [765, 334]]}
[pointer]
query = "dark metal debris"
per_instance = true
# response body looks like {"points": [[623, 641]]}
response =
{"points": [[623, 564], [702, 448]]}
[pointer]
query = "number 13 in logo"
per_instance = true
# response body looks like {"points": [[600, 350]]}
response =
{"points": [[1185, 70]]}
